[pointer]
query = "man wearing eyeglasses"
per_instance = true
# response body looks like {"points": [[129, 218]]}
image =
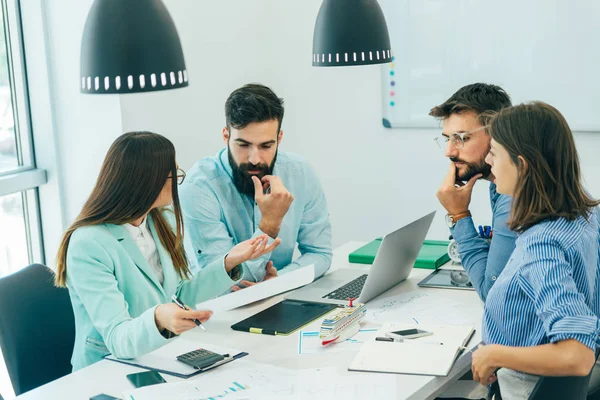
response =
{"points": [[465, 142]]}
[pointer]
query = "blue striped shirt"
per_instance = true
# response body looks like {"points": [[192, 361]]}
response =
{"points": [[485, 261], [549, 290]]}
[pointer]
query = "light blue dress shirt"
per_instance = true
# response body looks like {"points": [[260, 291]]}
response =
{"points": [[217, 216], [485, 261], [549, 290]]}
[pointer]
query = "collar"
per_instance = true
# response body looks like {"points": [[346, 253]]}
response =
{"points": [[223, 157], [133, 230]]}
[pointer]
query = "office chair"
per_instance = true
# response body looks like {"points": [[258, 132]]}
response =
{"points": [[37, 328], [563, 387]]}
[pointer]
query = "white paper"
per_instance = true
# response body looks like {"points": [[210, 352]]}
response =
{"points": [[248, 380], [409, 308], [165, 358], [328, 384], [310, 343], [283, 283], [203, 389], [274, 383]]}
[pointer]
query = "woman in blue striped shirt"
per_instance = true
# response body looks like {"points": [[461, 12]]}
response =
{"points": [[542, 315]]}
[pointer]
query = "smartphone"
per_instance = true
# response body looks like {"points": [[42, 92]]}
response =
{"points": [[103, 396], [145, 378], [408, 334]]}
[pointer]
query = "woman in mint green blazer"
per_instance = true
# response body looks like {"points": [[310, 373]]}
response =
{"points": [[119, 303]]}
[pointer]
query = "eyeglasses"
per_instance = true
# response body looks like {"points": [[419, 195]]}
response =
{"points": [[180, 176], [457, 138]]}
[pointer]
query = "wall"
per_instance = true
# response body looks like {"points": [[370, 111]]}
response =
{"points": [[375, 179], [71, 131]]}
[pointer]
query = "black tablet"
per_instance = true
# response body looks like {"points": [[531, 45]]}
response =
{"points": [[284, 317], [447, 279]]}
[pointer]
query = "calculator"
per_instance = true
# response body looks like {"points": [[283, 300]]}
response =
{"points": [[200, 358]]}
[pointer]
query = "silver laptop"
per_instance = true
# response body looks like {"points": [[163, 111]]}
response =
{"points": [[393, 263]]}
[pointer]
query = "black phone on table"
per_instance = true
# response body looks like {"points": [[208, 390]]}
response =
{"points": [[145, 378]]}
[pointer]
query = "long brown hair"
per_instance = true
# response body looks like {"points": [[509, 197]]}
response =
{"points": [[549, 184], [132, 176]]}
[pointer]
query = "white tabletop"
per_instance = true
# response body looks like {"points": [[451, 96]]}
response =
{"points": [[282, 351]]}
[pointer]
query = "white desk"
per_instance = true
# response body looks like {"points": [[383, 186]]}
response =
{"points": [[109, 377]]}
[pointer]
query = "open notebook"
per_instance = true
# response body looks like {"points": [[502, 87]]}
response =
{"points": [[430, 355]]}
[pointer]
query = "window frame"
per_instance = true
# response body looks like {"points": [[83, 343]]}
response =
{"points": [[26, 178]]}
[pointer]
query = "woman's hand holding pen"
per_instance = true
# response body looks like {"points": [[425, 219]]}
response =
{"points": [[174, 319], [249, 250]]}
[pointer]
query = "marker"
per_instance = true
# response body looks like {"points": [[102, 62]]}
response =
{"points": [[181, 305], [388, 339]]}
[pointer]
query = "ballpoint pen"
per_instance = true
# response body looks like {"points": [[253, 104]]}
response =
{"points": [[180, 304], [407, 341]]}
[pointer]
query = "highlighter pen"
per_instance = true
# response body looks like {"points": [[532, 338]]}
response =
{"points": [[181, 305]]}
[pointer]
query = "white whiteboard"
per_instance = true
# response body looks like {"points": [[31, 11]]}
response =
{"points": [[545, 50]]}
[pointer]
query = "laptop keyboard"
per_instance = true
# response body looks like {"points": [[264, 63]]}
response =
{"points": [[350, 290]]}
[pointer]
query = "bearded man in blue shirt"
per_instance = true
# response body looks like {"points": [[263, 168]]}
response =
{"points": [[466, 143], [250, 188]]}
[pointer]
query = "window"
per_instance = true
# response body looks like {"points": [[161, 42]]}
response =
{"points": [[20, 229], [20, 237]]}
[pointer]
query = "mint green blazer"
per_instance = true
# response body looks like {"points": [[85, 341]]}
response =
{"points": [[114, 292]]}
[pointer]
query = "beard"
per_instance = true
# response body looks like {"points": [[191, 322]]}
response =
{"points": [[472, 169], [242, 180]]}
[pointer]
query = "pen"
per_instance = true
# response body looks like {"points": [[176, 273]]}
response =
{"points": [[388, 339], [481, 234], [181, 305]]}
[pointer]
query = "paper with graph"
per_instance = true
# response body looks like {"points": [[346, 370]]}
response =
{"points": [[198, 389], [423, 307], [310, 343], [250, 380]]}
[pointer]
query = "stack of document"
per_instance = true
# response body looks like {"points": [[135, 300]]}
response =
{"points": [[249, 381], [164, 359], [429, 355]]}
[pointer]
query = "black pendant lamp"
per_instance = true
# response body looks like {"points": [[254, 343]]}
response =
{"points": [[350, 32], [131, 46]]}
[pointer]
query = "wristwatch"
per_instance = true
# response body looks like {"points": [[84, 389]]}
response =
{"points": [[452, 219]]}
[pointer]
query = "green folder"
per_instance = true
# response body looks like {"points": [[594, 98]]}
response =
{"points": [[433, 254]]}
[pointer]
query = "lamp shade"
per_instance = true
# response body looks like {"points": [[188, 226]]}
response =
{"points": [[350, 32], [131, 46]]}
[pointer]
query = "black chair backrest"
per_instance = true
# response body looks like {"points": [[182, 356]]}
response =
{"points": [[562, 387], [37, 328]]}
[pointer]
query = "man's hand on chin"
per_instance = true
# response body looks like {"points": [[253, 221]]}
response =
{"points": [[456, 196]]}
